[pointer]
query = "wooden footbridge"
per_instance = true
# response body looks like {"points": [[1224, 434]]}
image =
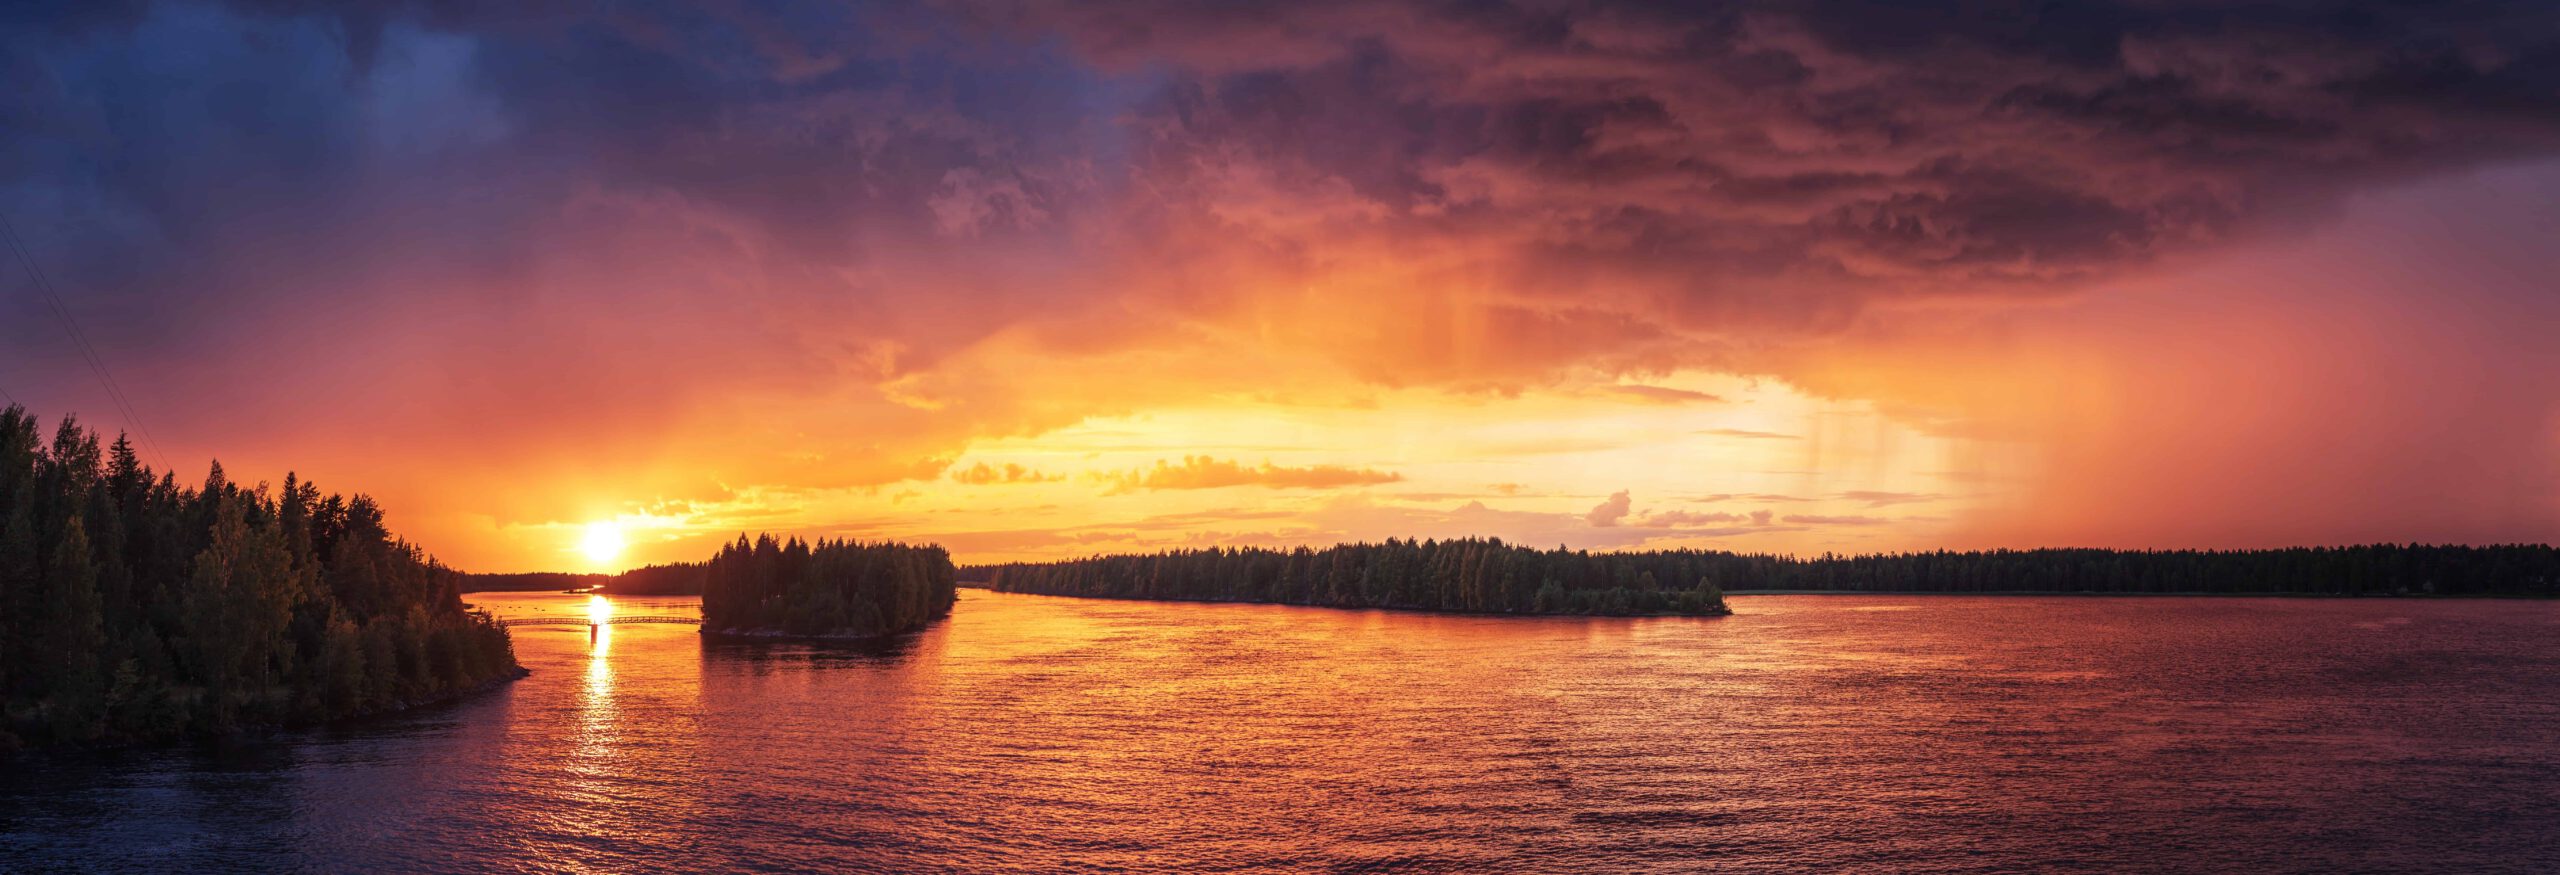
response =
{"points": [[592, 624], [616, 620]]}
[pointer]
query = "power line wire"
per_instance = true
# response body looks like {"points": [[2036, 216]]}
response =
{"points": [[97, 364]]}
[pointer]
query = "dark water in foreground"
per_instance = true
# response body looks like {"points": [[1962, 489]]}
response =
{"points": [[1805, 733]]}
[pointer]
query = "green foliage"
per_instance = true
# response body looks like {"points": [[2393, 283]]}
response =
{"points": [[1487, 575], [832, 588], [1474, 575], [132, 609]]}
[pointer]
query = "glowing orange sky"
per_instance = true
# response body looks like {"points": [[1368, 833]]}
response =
{"points": [[1030, 286]]}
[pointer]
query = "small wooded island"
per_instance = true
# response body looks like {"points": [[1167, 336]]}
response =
{"points": [[830, 589]]}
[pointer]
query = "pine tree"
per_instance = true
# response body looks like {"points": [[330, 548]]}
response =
{"points": [[71, 632], [21, 569]]}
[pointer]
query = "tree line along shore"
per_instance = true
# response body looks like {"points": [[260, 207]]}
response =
{"points": [[1486, 575], [135, 609], [1489, 576]]}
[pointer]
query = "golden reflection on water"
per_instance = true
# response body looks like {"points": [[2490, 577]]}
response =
{"points": [[596, 764], [614, 737], [1807, 733]]}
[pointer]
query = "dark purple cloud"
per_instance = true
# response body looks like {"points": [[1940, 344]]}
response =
{"points": [[610, 213], [1787, 163], [1614, 183], [534, 238]]}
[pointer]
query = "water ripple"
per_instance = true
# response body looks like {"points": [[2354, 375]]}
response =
{"points": [[1829, 733]]}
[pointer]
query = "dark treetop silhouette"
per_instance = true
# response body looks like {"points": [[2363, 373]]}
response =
{"points": [[134, 609], [1490, 576], [1480, 575], [830, 589], [680, 578]]}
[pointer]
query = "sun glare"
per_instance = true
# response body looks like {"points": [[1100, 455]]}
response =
{"points": [[602, 543]]}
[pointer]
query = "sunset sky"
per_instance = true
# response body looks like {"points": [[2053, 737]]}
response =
{"points": [[1046, 279]]}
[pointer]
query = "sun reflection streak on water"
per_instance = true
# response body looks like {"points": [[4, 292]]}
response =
{"points": [[1806, 733], [608, 757], [596, 764], [1158, 737]]}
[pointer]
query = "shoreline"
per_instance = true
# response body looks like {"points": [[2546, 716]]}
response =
{"points": [[2083, 593], [777, 635], [1457, 612], [504, 678], [1813, 592], [269, 731]]}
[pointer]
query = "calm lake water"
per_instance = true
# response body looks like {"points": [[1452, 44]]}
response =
{"points": [[1908, 734]]}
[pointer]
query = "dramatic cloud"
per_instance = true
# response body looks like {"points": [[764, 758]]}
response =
{"points": [[1788, 164], [512, 267], [1203, 472], [2389, 379]]}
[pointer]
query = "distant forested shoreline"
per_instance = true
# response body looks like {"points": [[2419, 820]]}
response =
{"points": [[826, 589], [1488, 576], [1468, 575], [133, 609], [680, 578]]}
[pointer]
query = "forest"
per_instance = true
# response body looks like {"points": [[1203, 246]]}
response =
{"points": [[135, 609], [680, 578], [531, 581], [1472, 575], [826, 589], [1486, 575]]}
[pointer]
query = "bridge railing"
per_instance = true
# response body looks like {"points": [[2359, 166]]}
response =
{"points": [[618, 620]]}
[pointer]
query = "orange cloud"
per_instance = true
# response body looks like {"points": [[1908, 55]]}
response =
{"points": [[1881, 498], [1609, 511], [1674, 519], [1661, 394], [1809, 519], [1203, 472], [983, 474]]}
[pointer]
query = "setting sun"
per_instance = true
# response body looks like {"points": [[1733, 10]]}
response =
{"points": [[1267, 435], [602, 543]]}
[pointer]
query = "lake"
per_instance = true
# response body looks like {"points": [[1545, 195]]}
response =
{"points": [[1885, 733]]}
